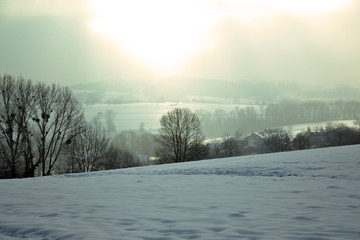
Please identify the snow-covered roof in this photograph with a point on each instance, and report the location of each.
(255, 134)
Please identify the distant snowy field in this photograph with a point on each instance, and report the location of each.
(129, 116)
(304, 195)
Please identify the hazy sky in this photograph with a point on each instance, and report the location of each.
(65, 41)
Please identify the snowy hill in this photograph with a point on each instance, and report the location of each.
(312, 194)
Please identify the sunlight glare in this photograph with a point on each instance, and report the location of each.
(311, 6)
(251, 10)
(165, 35)
(162, 34)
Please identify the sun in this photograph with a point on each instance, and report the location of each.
(165, 35)
(161, 34)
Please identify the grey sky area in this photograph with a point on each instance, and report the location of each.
(52, 41)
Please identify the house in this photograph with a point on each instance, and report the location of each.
(253, 144)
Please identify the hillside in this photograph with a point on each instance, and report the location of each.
(311, 194)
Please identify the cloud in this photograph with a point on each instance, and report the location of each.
(313, 51)
(275, 47)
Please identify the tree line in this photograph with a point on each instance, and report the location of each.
(43, 132)
(37, 121)
(251, 119)
(181, 139)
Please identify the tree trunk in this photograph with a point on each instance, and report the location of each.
(13, 170)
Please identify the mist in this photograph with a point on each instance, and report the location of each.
(235, 58)
(55, 44)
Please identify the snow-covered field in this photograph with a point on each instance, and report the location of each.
(305, 195)
(129, 116)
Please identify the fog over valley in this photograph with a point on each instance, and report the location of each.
(311, 43)
(181, 119)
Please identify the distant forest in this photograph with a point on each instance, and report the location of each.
(181, 89)
(249, 119)
(278, 103)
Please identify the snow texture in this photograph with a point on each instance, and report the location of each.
(302, 195)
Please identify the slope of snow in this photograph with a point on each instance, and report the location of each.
(305, 195)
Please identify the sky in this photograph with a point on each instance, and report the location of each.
(313, 42)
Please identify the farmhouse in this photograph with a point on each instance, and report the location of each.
(253, 144)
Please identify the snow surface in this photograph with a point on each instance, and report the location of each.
(129, 116)
(305, 195)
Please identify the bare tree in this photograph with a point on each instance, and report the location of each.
(88, 146)
(36, 123)
(138, 142)
(198, 151)
(340, 134)
(180, 129)
(277, 139)
(119, 158)
(55, 120)
(26, 103)
(230, 147)
(302, 140)
(336, 134)
(109, 121)
(17, 104)
(10, 136)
